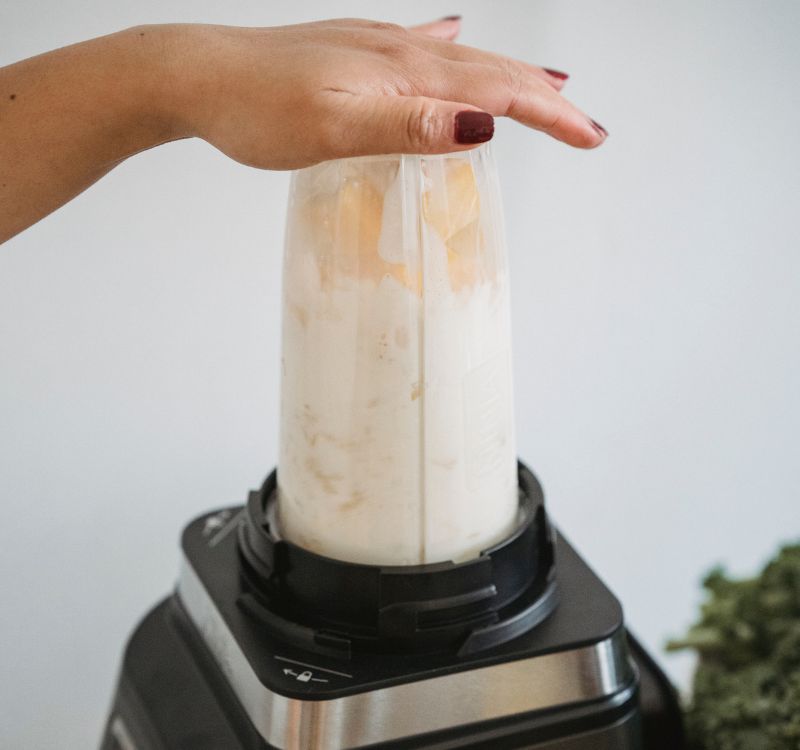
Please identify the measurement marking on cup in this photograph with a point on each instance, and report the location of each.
(313, 666)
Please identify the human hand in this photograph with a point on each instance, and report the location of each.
(290, 96)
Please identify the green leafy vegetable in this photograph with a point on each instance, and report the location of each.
(747, 684)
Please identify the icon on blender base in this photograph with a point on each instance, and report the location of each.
(215, 522)
(303, 676)
(312, 666)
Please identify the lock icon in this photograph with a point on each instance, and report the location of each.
(304, 676)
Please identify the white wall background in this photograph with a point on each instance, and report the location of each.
(657, 330)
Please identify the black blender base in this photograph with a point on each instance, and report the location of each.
(172, 696)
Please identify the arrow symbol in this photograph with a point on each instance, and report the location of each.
(290, 672)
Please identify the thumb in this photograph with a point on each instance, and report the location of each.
(390, 124)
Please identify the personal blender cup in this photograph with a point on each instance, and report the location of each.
(397, 440)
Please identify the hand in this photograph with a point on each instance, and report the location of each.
(287, 97)
(276, 98)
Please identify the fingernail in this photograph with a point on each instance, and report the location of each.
(473, 127)
(451, 18)
(556, 74)
(599, 128)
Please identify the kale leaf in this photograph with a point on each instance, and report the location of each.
(746, 693)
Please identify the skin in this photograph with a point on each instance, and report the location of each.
(273, 98)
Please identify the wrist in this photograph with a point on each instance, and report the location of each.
(161, 80)
(184, 79)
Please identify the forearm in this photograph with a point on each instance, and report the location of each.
(67, 117)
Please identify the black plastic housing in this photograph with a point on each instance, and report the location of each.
(332, 606)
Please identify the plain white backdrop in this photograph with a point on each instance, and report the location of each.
(656, 319)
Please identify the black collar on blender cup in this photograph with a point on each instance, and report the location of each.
(333, 606)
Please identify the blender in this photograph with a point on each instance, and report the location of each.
(396, 582)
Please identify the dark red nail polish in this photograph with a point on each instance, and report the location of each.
(473, 127)
(599, 128)
(556, 74)
(451, 18)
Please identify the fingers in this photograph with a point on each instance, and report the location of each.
(445, 29)
(439, 78)
(462, 53)
(379, 124)
(513, 93)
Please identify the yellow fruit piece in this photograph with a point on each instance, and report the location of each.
(358, 228)
(467, 258)
(451, 206)
(451, 202)
(347, 228)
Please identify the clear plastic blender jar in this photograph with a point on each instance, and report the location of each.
(396, 437)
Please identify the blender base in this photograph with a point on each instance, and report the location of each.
(565, 685)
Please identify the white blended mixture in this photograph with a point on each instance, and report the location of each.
(397, 441)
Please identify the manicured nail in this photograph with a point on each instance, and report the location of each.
(556, 74)
(599, 128)
(473, 127)
(451, 18)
